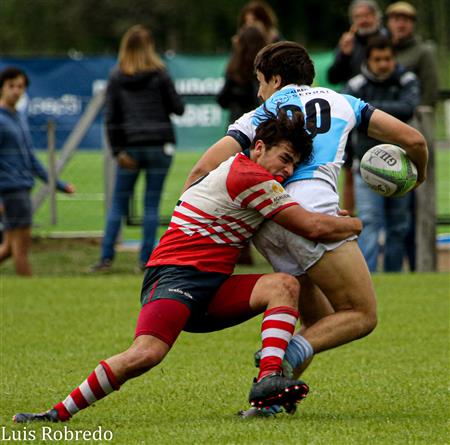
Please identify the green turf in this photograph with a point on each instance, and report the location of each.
(389, 388)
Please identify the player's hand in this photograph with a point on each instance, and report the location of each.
(343, 212)
(421, 177)
(126, 161)
(69, 188)
(347, 42)
(358, 225)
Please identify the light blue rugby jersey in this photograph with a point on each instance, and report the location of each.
(331, 115)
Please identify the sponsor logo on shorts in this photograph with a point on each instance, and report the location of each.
(182, 292)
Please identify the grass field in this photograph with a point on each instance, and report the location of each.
(389, 388)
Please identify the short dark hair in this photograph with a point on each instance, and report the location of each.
(288, 126)
(289, 60)
(379, 42)
(11, 72)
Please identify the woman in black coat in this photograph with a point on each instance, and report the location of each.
(139, 100)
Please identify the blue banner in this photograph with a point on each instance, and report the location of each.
(61, 88)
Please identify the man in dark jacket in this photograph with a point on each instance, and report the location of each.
(18, 166)
(140, 97)
(390, 88)
(365, 19)
(412, 52)
(419, 57)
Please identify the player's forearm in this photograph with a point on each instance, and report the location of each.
(317, 226)
(329, 228)
(216, 154)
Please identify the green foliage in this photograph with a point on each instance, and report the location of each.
(389, 388)
(44, 27)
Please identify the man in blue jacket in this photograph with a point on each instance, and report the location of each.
(18, 166)
(389, 87)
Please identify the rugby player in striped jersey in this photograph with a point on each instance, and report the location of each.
(188, 284)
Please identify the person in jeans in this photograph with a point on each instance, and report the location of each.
(139, 100)
(388, 87)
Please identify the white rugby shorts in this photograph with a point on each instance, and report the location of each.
(291, 253)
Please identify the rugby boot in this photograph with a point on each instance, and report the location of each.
(49, 416)
(276, 389)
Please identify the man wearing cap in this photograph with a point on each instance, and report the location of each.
(414, 54)
(420, 58)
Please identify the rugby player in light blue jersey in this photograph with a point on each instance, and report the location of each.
(337, 302)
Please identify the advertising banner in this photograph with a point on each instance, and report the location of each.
(62, 87)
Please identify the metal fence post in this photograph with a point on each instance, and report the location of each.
(426, 200)
(109, 173)
(70, 145)
(51, 146)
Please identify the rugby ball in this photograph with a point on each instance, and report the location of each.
(388, 171)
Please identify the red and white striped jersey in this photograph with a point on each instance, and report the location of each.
(216, 216)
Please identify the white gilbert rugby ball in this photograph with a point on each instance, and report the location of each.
(388, 171)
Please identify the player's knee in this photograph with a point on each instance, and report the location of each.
(368, 322)
(286, 288)
(371, 321)
(144, 358)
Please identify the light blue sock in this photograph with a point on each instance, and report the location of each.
(298, 351)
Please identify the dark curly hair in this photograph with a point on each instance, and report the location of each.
(285, 126)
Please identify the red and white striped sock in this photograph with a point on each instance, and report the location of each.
(98, 385)
(277, 328)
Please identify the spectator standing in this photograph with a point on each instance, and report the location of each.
(390, 88)
(140, 97)
(240, 91)
(365, 19)
(419, 57)
(412, 52)
(18, 167)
